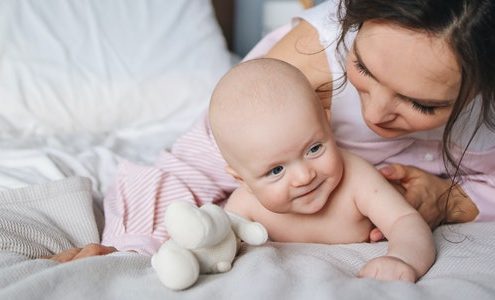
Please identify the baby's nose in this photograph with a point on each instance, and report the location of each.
(303, 175)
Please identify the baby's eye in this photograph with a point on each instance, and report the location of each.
(275, 171)
(315, 149)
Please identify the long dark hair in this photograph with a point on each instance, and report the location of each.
(468, 26)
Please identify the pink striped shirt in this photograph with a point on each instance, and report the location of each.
(192, 171)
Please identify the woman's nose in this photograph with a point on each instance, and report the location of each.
(379, 107)
(303, 175)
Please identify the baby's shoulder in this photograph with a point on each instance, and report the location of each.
(241, 202)
(359, 173)
(354, 163)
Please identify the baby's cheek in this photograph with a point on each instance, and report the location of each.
(333, 167)
(276, 200)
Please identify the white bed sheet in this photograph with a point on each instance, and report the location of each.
(41, 159)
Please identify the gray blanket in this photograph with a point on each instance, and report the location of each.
(465, 266)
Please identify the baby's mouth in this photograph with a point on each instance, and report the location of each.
(309, 191)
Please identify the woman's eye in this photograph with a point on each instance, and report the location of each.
(361, 69)
(315, 149)
(427, 110)
(275, 171)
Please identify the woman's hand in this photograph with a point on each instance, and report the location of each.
(77, 253)
(429, 194)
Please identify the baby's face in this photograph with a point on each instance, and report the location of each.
(291, 163)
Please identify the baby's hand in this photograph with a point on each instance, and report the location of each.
(388, 268)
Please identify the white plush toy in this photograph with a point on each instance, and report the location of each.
(202, 240)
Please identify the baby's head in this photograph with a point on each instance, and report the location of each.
(274, 134)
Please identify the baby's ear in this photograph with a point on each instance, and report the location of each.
(237, 177)
(234, 174)
(328, 113)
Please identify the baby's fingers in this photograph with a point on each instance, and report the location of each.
(388, 269)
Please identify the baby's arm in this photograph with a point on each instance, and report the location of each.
(410, 252)
(411, 249)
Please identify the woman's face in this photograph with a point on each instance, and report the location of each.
(407, 80)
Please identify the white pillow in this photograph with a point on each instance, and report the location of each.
(101, 65)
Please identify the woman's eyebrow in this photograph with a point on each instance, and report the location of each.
(424, 102)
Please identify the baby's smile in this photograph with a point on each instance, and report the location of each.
(313, 199)
(309, 191)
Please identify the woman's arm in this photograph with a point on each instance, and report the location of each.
(301, 47)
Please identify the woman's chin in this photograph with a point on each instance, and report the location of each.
(386, 133)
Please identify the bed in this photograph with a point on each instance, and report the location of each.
(84, 84)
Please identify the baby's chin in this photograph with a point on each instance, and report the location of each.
(298, 207)
(309, 207)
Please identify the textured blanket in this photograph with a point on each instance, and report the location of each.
(465, 266)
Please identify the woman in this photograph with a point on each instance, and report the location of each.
(420, 70)
(420, 91)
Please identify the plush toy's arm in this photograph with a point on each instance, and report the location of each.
(252, 233)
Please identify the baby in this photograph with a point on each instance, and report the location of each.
(275, 137)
